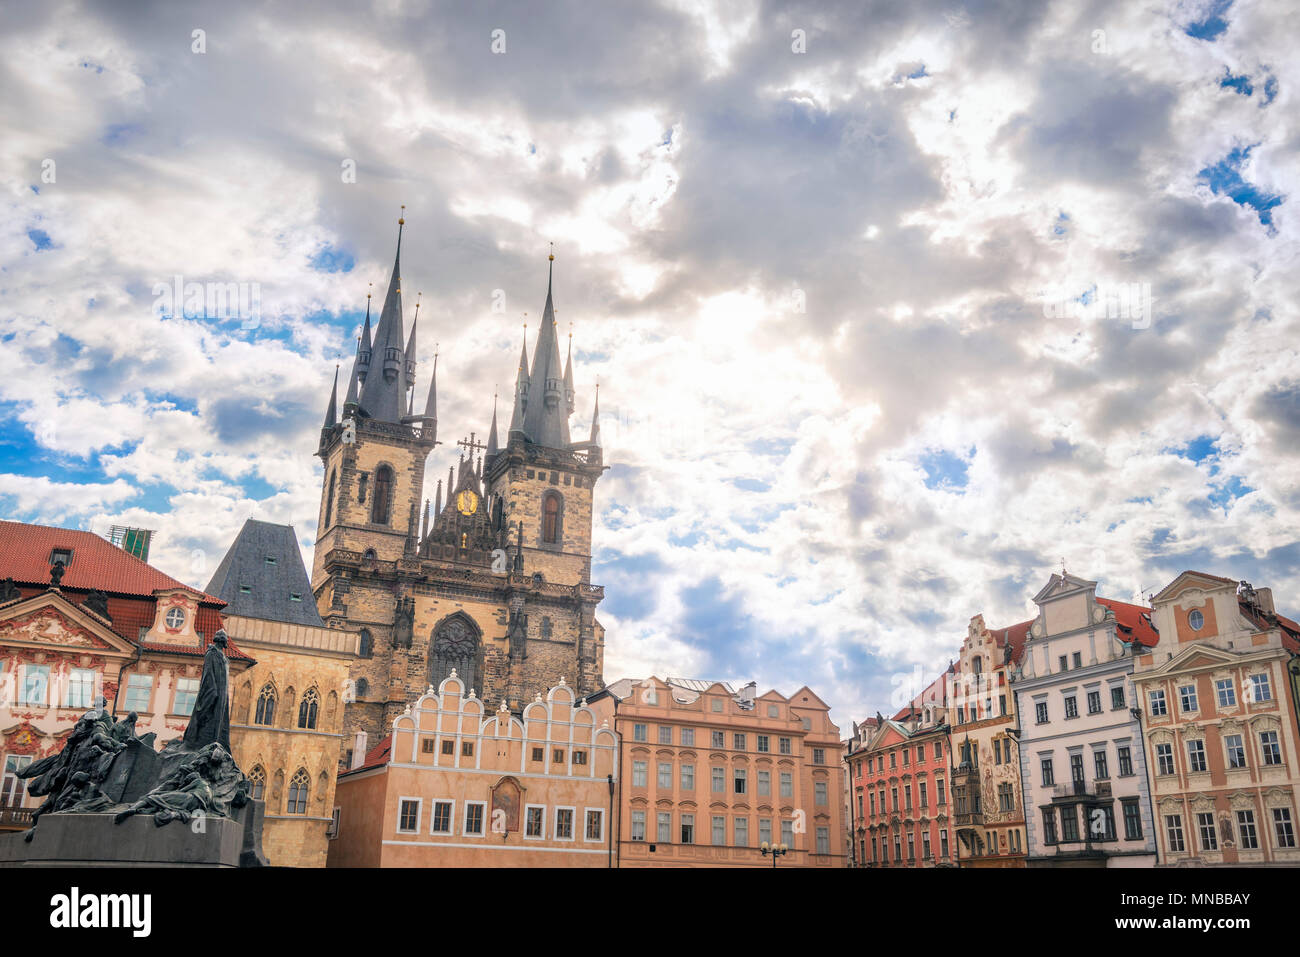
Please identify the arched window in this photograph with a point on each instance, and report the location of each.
(265, 706)
(369, 555)
(379, 501)
(307, 710)
(456, 645)
(298, 787)
(367, 644)
(257, 780)
(329, 501)
(363, 687)
(552, 512)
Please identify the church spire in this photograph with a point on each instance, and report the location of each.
(431, 403)
(364, 348)
(410, 357)
(546, 422)
(493, 446)
(385, 386)
(521, 389)
(568, 374)
(595, 420)
(332, 412)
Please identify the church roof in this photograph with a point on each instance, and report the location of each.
(546, 420)
(382, 397)
(261, 572)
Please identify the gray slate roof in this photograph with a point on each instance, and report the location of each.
(270, 583)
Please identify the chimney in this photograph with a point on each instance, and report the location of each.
(359, 750)
(1265, 598)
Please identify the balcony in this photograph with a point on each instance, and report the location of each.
(1074, 791)
(968, 818)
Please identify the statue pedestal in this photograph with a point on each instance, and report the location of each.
(80, 839)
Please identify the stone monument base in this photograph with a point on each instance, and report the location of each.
(91, 839)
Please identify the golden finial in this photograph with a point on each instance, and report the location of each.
(401, 220)
(551, 257)
(417, 303)
(369, 287)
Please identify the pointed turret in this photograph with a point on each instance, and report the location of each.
(595, 420)
(332, 412)
(568, 377)
(410, 353)
(384, 389)
(364, 347)
(546, 422)
(493, 446)
(431, 403)
(426, 520)
(437, 500)
(521, 391)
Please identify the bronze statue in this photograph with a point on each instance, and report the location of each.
(210, 720)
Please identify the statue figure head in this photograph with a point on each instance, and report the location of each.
(219, 639)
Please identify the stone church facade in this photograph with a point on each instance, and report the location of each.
(493, 580)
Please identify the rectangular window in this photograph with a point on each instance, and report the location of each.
(1282, 827)
(718, 739)
(819, 755)
(1040, 712)
(474, 818)
(943, 844)
(688, 737)
(1125, 760)
(187, 689)
(1174, 833)
(688, 828)
(564, 823)
(783, 745)
(1071, 706)
(12, 787)
(1164, 759)
(907, 754)
(639, 732)
(595, 827)
(441, 817)
(719, 831)
(1117, 697)
(1069, 824)
(764, 783)
(1049, 825)
(1078, 659)
(1209, 836)
(1246, 828)
(408, 817)
(81, 688)
(925, 844)
(1049, 778)
(764, 830)
(449, 747)
(664, 824)
(763, 743)
(579, 757)
(938, 750)
(739, 741)
(739, 780)
(787, 784)
(1227, 693)
(1064, 662)
(638, 825)
(139, 693)
(907, 797)
(1260, 690)
(539, 754)
(665, 774)
(35, 686)
(1132, 819)
(1269, 748)
(1236, 749)
(1100, 770)
(688, 777)
(467, 751)
(823, 840)
(1187, 698)
(938, 787)
(1006, 798)
(819, 793)
(1076, 769)
(925, 801)
(787, 832)
(873, 804)
(639, 774)
(1195, 756)
(1158, 703)
(665, 734)
(1094, 702)
(741, 828)
(719, 776)
(534, 821)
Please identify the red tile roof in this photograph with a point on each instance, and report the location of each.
(375, 757)
(1134, 622)
(1015, 635)
(96, 562)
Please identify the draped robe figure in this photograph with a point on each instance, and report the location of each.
(210, 720)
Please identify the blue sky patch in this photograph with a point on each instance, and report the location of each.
(1224, 179)
(945, 470)
(1213, 24)
(41, 238)
(1228, 492)
(329, 259)
(1239, 83)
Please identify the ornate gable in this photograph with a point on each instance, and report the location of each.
(50, 621)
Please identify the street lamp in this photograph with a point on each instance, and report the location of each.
(776, 850)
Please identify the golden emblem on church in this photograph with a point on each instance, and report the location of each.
(466, 502)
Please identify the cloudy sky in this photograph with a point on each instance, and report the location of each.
(894, 307)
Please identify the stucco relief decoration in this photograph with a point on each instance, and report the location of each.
(166, 605)
(23, 740)
(46, 626)
(507, 797)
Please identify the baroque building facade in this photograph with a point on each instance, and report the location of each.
(493, 579)
(1220, 724)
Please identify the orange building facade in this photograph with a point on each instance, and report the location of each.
(1219, 719)
(708, 775)
(458, 784)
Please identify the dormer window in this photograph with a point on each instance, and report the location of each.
(175, 618)
(61, 556)
(270, 559)
(294, 596)
(246, 589)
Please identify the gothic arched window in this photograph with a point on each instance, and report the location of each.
(329, 501)
(257, 781)
(552, 514)
(298, 787)
(363, 687)
(367, 644)
(265, 706)
(307, 710)
(379, 500)
(455, 645)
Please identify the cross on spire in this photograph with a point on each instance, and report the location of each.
(471, 445)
